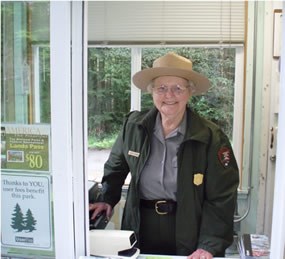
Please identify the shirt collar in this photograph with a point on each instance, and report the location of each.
(181, 129)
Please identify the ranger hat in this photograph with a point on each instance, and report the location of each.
(171, 65)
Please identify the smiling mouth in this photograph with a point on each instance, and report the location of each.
(169, 103)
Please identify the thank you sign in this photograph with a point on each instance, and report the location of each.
(26, 210)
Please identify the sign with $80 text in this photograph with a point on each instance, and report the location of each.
(25, 147)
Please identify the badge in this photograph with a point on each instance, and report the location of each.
(224, 155)
(133, 153)
(198, 179)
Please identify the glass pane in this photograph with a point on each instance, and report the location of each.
(41, 97)
(109, 73)
(109, 89)
(26, 179)
(109, 93)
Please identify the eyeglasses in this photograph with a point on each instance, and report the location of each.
(175, 89)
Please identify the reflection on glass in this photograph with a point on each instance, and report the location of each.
(27, 220)
(109, 86)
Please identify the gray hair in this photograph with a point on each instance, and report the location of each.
(192, 86)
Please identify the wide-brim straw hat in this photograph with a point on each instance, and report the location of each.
(171, 65)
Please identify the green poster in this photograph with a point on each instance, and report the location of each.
(25, 147)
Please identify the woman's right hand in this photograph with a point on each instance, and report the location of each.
(100, 207)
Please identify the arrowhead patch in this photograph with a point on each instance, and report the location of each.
(224, 155)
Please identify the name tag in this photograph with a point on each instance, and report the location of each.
(133, 153)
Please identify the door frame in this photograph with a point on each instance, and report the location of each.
(68, 127)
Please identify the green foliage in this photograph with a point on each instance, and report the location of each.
(109, 76)
(105, 142)
(44, 75)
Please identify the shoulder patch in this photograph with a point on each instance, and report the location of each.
(224, 155)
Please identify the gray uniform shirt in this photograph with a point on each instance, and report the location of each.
(158, 179)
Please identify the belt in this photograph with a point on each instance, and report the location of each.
(162, 207)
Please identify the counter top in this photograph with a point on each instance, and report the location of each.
(147, 256)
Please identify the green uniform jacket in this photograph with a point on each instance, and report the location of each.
(207, 181)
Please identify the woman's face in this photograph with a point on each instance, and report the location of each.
(170, 95)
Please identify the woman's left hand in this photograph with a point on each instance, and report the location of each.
(200, 254)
